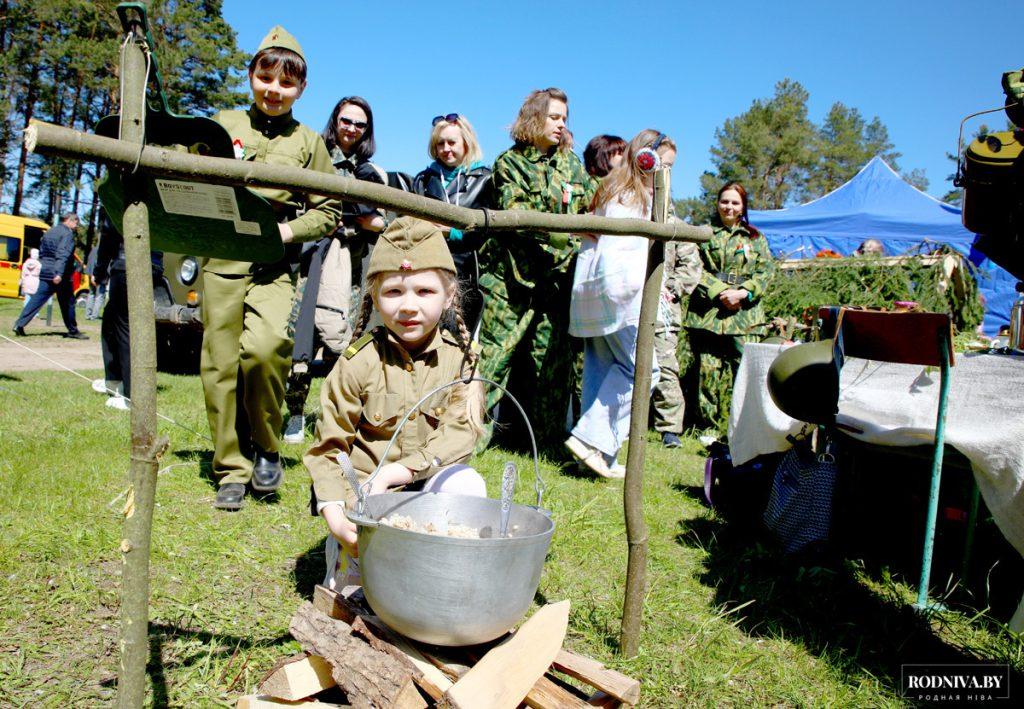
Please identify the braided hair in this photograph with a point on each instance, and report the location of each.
(470, 395)
(366, 307)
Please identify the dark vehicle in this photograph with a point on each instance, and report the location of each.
(176, 303)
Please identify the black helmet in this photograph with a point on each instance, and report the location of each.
(804, 381)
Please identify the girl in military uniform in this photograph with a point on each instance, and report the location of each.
(725, 309)
(246, 348)
(411, 282)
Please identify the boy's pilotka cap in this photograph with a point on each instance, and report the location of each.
(281, 38)
(410, 244)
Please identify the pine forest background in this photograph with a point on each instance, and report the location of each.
(59, 63)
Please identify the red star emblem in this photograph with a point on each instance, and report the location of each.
(406, 265)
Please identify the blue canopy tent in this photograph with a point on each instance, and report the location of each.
(879, 204)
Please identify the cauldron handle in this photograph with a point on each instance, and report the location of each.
(538, 485)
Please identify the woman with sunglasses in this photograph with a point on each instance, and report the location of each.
(459, 176)
(334, 264)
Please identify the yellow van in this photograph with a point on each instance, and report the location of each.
(18, 235)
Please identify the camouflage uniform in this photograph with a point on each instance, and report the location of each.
(731, 259)
(526, 278)
(682, 273)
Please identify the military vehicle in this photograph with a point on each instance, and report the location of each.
(177, 299)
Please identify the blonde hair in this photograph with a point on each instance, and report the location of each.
(626, 182)
(465, 399)
(533, 114)
(473, 151)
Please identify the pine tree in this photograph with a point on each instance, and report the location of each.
(768, 148)
(61, 63)
(781, 157)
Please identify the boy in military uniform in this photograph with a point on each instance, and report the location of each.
(526, 277)
(246, 348)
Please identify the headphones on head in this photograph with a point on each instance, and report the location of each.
(647, 159)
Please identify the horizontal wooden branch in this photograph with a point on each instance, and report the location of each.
(68, 143)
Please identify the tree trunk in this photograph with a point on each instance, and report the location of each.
(30, 107)
(633, 493)
(76, 104)
(145, 448)
(4, 13)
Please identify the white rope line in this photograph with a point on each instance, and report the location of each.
(110, 391)
(159, 473)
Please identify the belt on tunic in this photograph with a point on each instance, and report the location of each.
(733, 279)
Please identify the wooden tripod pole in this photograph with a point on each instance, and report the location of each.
(633, 494)
(145, 449)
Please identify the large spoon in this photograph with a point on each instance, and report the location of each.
(508, 487)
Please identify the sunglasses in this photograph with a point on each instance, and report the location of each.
(450, 118)
(361, 125)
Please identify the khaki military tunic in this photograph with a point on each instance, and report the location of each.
(364, 398)
(281, 141)
(246, 347)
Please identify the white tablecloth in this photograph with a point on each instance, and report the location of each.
(896, 405)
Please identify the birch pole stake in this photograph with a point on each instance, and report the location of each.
(145, 449)
(633, 493)
(155, 161)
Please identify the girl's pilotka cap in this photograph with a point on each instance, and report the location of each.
(410, 244)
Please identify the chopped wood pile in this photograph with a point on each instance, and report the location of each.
(352, 659)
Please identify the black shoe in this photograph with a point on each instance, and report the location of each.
(230, 496)
(19, 331)
(267, 473)
(76, 335)
(670, 440)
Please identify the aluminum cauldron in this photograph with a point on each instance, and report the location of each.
(450, 591)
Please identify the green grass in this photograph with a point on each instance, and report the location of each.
(728, 621)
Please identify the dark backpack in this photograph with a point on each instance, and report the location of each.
(738, 490)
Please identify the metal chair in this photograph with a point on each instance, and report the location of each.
(904, 337)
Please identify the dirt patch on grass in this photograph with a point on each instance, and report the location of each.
(44, 346)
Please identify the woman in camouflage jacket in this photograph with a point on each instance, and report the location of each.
(725, 309)
(526, 276)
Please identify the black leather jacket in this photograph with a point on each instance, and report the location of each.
(471, 188)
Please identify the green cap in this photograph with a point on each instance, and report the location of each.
(410, 244)
(281, 38)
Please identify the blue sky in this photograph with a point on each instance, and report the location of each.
(681, 67)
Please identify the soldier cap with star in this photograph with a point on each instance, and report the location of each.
(281, 38)
(410, 244)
